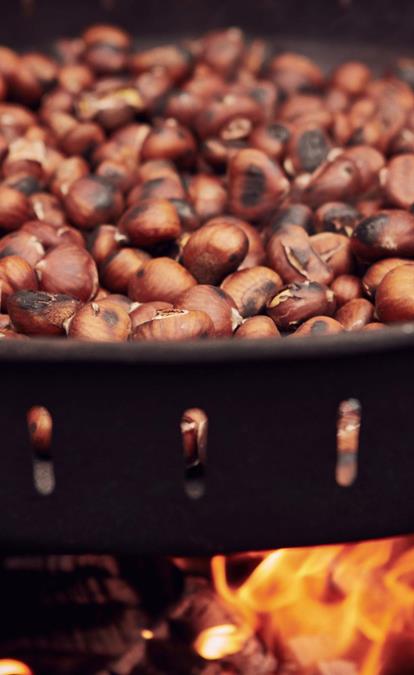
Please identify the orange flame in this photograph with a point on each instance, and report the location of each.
(337, 604)
(12, 667)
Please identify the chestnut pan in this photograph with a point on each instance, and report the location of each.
(272, 406)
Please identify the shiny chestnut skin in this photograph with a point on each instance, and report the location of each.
(335, 250)
(336, 217)
(376, 273)
(298, 302)
(291, 255)
(146, 311)
(150, 222)
(214, 251)
(334, 180)
(160, 279)
(207, 195)
(104, 241)
(257, 327)
(293, 214)
(117, 269)
(256, 184)
(216, 303)
(97, 322)
(15, 208)
(22, 244)
(15, 274)
(318, 325)
(388, 234)
(40, 313)
(394, 299)
(355, 314)
(397, 181)
(91, 201)
(175, 325)
(346, 287)
(252, 288)
(68, 269)
(170, 140)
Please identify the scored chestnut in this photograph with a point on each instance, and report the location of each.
(216, 303)
(175, 324)
(98, 322)
(252, 288)
(298, 302)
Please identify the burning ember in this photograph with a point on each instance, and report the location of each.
(329, 610)
(12, 667)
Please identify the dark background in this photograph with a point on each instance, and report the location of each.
(382, 22)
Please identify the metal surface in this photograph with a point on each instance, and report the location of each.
(272, 406)
(271, 452)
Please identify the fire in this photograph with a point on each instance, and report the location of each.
(338, 604)
(12, 667)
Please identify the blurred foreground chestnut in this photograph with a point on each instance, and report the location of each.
(175, 325)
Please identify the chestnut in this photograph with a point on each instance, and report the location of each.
(82, 138)
(99, 323)
(15, 274)
(40, 425)
(189, 220)
(194, 427)
(308, 147)
(68, 171)
(15, 208)
(150, 222)
(346, 287)
(117, 269)
(75, 78)
(50, 235)
(374, 325)
(291, 255)
(256, 184)
(216, 303)
(174, 59)
(256, 254)
(397, 181)
(208, 196)
(335, 250)
(175, 324)
(271, 138)
(91, 201)
(318, 325)
(146, 311)
(40, 313)
(22, 244)
(214, 251)
(160, 279)
(170, 140)
(295, 73)
(257, 327)
(355, 314)
(68, 269)
(337, 217)
(369, 162)
(47, 207)
(394, 299)
(223, 50)
(104, 241)
(352, 77)
(376, 272)
(335, 180)
(296, 303)
(390, 233)
(252, 288)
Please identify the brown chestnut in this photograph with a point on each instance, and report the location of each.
(397, 181)
(68, 269)
(256, 184)
(257, 327)
(354, 314)
(40, 425)
(298, 302)
(291, 255)
(214, 251)
(40, 313)
(208, 196)
(117, 269)
(175, 324)
(388, 234)
(216, 303)
(335, 250)
(252, 288)
(375, 274)
(99, 323)
(104, 241)
(91, 201)
(150, 222)
(47, 207)
(318, 325)
(146, 311)
(15, 274)
(160, 279)
(335, 180)
(394, 299)
(346, 287)
(22, 244)
(15, 208)
(170, 140)
(336, 217)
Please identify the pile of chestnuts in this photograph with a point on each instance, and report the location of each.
(203, 189)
